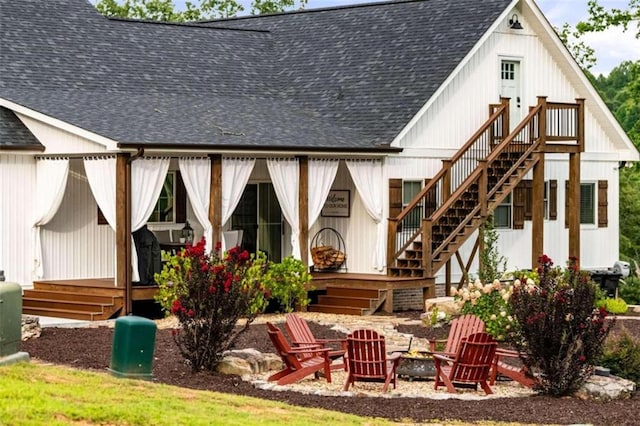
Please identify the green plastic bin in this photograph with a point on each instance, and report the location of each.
(11, 324)
(133, 345)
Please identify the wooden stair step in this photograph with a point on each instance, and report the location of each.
(65, 296)
(65, 313)
(358, 302)
(354, 292)
(345, 310)
(30, 302)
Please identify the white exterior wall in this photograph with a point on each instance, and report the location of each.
(463, 106)
(74, 245)
(17, 184)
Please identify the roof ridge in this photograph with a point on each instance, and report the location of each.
(322, 9)
(193, 24)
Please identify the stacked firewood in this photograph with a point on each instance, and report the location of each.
(327, 257)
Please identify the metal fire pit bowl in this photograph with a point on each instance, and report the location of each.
(416, 367)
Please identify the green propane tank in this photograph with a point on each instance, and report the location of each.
(11, 323)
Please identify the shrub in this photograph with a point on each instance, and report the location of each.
(559, 330)
(489, 302)
(492, 264)
(629, 290)
(612, 305)
(622, 356)
(208, 294)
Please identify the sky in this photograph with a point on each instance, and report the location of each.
(612, 46)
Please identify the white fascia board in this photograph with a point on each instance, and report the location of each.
(454, 73)
(109, 144)
(628, 154)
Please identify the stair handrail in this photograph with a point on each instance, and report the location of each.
(499, 114)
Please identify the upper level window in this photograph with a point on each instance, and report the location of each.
(588, 203)
(165, 208)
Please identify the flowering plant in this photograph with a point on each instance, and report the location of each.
(559, 329)
(489, 302)
(208, 293)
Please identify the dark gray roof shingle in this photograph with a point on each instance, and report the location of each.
(13, 134)
(332, 78)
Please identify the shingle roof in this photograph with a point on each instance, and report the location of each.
(348, 77)
(13, 134)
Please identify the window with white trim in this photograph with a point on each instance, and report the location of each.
(502, 214)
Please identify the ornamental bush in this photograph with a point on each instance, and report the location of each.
(489, 302)
(622, 355)
(559, 330)
(209, 293)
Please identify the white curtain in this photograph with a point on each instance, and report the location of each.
(285, 175)
(235, 175)
(51, 181)
(196, 174)
(101, 174)
(147, 178)
(322, 173)
(367, 176)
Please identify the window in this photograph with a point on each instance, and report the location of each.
(508, 70)
(164, 210)
(587, 203)
(502, 214)
(411, 188)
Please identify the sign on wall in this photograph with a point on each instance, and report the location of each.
(337, 204)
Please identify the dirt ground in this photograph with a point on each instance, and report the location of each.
(90, 348)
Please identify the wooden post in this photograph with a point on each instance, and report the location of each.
(392, 228)
(446, 180)
(574, 205)
(447, 273)
(427, 226)
(505, 119)
(123, 229)
(537, 214)
(483, 183)
(580, 124)
(215, 199)
(303, 205)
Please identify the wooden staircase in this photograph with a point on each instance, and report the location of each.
(349, 301)
(71, 301)
(470, 185)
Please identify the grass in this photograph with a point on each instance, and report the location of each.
(37, 394)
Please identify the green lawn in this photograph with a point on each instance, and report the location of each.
(38, 394)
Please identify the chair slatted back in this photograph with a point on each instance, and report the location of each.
(282, 346)
(474, 358)
(298, 329)
(462, 327)
(367, 354)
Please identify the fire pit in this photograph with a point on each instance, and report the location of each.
(416, 364)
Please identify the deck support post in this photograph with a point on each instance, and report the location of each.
(574, 205)
(303, 208)
(537, 213)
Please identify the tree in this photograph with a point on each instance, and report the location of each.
(599, 19)
(165, 10)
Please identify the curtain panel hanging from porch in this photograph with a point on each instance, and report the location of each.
(235, 175)
(322, 173)
(196, 174)
(147, 178)
(367, 177)
(51, 181)
(285, 175)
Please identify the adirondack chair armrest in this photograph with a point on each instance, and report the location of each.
(394, 357)
(440, 356)
(501, 352)
(324, 352)
(433, 344)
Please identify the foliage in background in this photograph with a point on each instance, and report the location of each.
(559, 330)
(489, 302)
(629, 289)
(209, 294)
(165, 10)
(622, 356)
(492, 264)
(614, 306)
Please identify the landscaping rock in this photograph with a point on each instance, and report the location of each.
(444, 304)
(606, 388)
(248, 361)
(30, 327)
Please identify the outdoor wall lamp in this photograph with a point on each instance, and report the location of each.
(514, 24)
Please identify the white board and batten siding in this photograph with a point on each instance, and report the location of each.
(17, 184)
(462, 106)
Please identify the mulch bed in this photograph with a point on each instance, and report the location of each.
(90, 348)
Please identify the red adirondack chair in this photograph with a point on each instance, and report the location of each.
(471, 365)
(515, 371)
(301, 335)
(367, 359)
(461, 327)
(298, 362)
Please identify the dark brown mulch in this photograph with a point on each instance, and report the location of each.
(90, 348)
